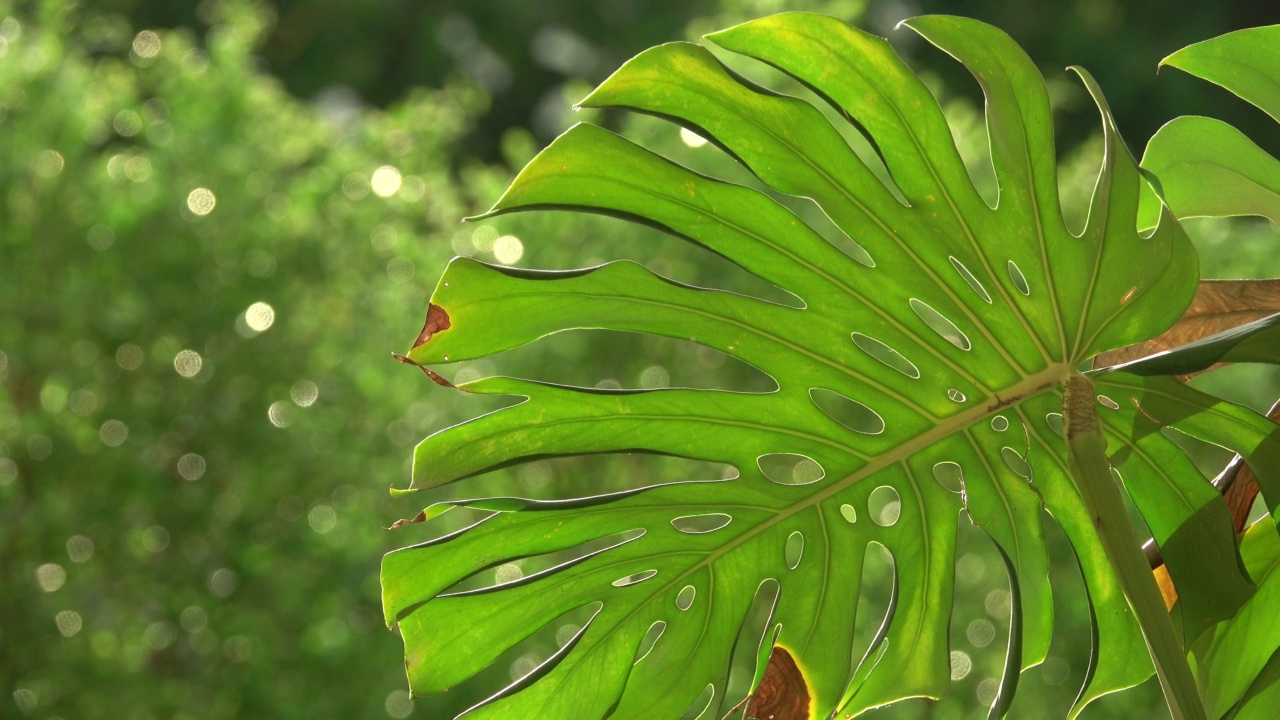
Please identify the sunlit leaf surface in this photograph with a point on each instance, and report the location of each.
(1205, 167)
(927, 358)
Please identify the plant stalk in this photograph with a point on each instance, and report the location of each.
(1087, 458)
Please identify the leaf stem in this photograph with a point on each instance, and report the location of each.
(1087, 456)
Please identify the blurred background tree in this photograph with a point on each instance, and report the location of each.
(217, 218)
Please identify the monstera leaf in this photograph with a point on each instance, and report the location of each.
(1207, 168)
(919, 385)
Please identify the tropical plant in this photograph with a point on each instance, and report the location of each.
(927, 368)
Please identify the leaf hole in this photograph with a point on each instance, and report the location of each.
(634, 578)
(849, 513)
(1015, 462)
(876, 604)
(1019, 280)
(649, 640)
(949, 475)
(790, 468)
(699, 524)
(527, 569)
(886, 355)
(794, 549)
(955, 395)
(684, 600)
(1105, 401)
(938, 323)
(849, 413)
(532, 658)
(1054, 421)
(755, 631)
(969, 278)
(884, 506)
(700, 703)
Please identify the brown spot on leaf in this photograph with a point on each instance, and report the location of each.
(783, 693)
(437, 321)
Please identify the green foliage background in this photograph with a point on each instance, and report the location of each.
(202, 541)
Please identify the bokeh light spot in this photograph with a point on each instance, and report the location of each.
(129, 357)
(69, 622)
(127, 123)
(201, 201)
(998, 603)
(49, 163)
(155, 539)
(655, 377)
(223, 582)
(188, 363)
(691, 138)
(259, 317)
(193, 619)
(322, 518)
(980, 632)
(399, 704)
(113, 433)
(960, 665)
(79, 548)
(51, 577)
(304, 393)
(508, 249)
(191, 467)
(146, 44)
(385, 181)
(100, 237)
(280, 414)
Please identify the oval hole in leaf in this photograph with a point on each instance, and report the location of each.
(949, 475)
(629, 355)
(884, 506)
(938, 323)
(531, 659)
(969, 278)
(700, 703)
(1054, 421)
(1108, 402)
(794, 549)
(684, 600)
(886, 355)
(849, 513)
(1019, 280)
(849, 413)
(575, 478)
(1015, 462)
(955, 395)
(527, 569)
(698, 524)
(649, 640)
(634, 578)
(876, 603)
(790, 468)
(999, 423)
(750, 642)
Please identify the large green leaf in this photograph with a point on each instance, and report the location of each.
(1205, 167)
(1235, 662)
(928, 360)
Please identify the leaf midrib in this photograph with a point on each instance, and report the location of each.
(1031, 386)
